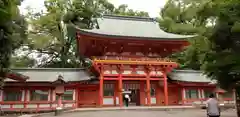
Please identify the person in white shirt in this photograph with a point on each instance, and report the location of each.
(126, 99)
(212, 106)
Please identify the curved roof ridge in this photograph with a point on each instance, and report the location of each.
(14, 69)
(134, 18)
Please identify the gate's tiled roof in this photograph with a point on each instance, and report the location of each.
(51, 74)
(128, 26)
(74, 75)
(189, 76)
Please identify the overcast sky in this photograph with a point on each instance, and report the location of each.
(150, 6)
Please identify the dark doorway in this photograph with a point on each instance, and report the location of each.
(135, 97)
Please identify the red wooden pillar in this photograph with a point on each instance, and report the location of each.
(115, 93)
(76, 97)
(148, 89)
(158, 94)
(183, 95)
(101, 89)
(142, 93)
(120, 87)
(25, 98)
(165, 88)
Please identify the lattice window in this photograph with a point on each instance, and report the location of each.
(192, 94)
(108, 89)
(39, 95)
(12, 95)
(131, 86)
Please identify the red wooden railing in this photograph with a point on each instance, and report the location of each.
(132, 59)
(36, 105)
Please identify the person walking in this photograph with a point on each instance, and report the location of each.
(126, 99)
(212, 106)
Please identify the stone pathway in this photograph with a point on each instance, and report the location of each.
(141, 113)
(135, 108)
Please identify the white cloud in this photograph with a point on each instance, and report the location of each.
(150, 6)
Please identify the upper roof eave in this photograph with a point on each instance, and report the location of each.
(99, 34)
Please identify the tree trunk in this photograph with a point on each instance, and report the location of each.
(237, 98)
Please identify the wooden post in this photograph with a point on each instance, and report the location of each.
(51, 98)
(148, 89)
(158, 95)
(199, 94)
(101, 86)
(120, 98)
(183, 95)
(115, 93)
(101, 90)
(76, 97)
(203, 95)
(25, 98)
(165, 89)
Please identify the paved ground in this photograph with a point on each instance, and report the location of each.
(143, 113)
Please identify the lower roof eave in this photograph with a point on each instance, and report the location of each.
(194, 82)
(17, 77)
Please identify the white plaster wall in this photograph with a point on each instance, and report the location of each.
(54, 105)
(117, 100)
(107, 72)
(31, 105)
(114, 72)
(68, 105)
(153, 100)
(140, 72)
(5, 106)
(44, 105)
(18, 106)
(108, 101)
(127, 72)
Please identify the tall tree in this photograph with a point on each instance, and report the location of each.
(125, 11)
(53, 32)
(222, 62)
(183, 17)
(12, 33)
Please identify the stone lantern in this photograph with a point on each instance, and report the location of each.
(59, 89)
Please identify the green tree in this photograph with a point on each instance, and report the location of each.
(125, 11)
(12, 33)
(187, 17)
(22, 62)
(222, 62)
(53, 33)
